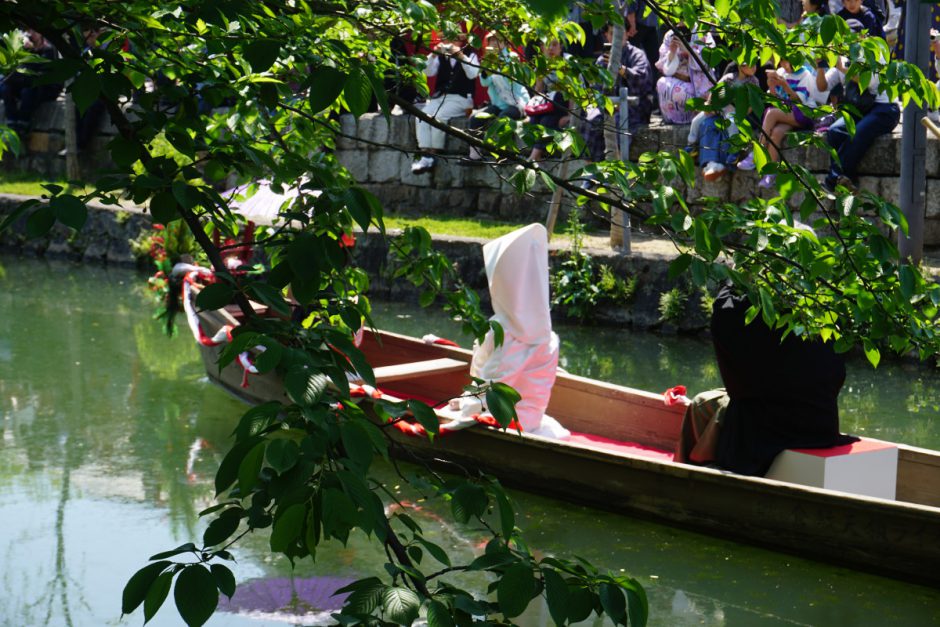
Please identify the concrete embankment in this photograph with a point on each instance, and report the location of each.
(109, 230)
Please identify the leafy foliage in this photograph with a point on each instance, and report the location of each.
(208, 93)
(578, 286)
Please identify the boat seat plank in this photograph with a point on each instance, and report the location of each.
(397, 372)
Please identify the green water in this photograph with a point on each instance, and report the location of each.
(109, 435)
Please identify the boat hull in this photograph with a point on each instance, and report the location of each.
(893, 538)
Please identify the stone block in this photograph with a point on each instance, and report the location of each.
(453, 144)
(401, 132)
(869, 184)
(931, 157)
(407, 178)
(44, 141)
(385, 166)
(349, 131)
(374, 128)
(356, 161)
(447, 174)
(49, 116)
(932, 232)
(883, 158)
(932, 201)
(816, 159)
(889, 189)
(489, 202)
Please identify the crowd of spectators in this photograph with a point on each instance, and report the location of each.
(663, 70)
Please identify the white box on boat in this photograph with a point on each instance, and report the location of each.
(866, 467)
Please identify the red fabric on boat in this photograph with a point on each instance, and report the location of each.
(861, 446)
(617, 446)
(587, 439)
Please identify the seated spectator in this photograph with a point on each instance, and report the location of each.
(21, 96)
(682, 77)
(815, 7)
(636, 74)
(880, 8)
(795, 87)
(874, 115)
(507, 97)
(456, 67)
(855, 10)
(782, 392)
(711, 134)
(548, 106)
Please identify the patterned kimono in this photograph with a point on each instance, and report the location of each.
(673, 92)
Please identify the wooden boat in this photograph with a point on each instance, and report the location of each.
(620, 458)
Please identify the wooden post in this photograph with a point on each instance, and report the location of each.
(554, 206)
(73, 171)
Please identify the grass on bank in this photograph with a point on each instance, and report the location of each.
(27, 184)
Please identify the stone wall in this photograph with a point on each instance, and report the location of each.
(379, 155)
(485, 192)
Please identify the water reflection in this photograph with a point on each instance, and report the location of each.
(109, 435)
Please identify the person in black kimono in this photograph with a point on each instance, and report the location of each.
(782, 394)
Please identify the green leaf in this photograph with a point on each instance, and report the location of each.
(257, 419)
(507, 516)
(282, 455)
(189, 547)
(137, 587)
(468, 500)
(302, 257)
(196, 595)
(401, 605)
(908, 281)
(222, 528)
(124, 152)
(637, 604)
(85, 90)
(548, 8)
(163, 207)
(556, 595)
(723, 8)
(22, 208)
(157, 595)
(501, 402)
(357, 443)
(360, 206)
(358, 92)
(613, 602)
(679, 265)
(425, 416)
(224, 579)
(262, 54)
(40, 222)
(580, 604)
(326, 84)
(268, 359)
(365, 595)
(69, 210)
(215, 296)
(303, 386)
(515, 589)
(436, 552)
(249, 468)
(228, 469)
(439, 615)
(287, 528)
(827, 29)
(871, 353)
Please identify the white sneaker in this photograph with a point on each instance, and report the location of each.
(422, 165)
(713, 171)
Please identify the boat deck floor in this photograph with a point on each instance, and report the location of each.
(583, 439)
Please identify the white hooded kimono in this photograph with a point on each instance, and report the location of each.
(527, 360)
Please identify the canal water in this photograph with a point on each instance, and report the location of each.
(110, 433)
